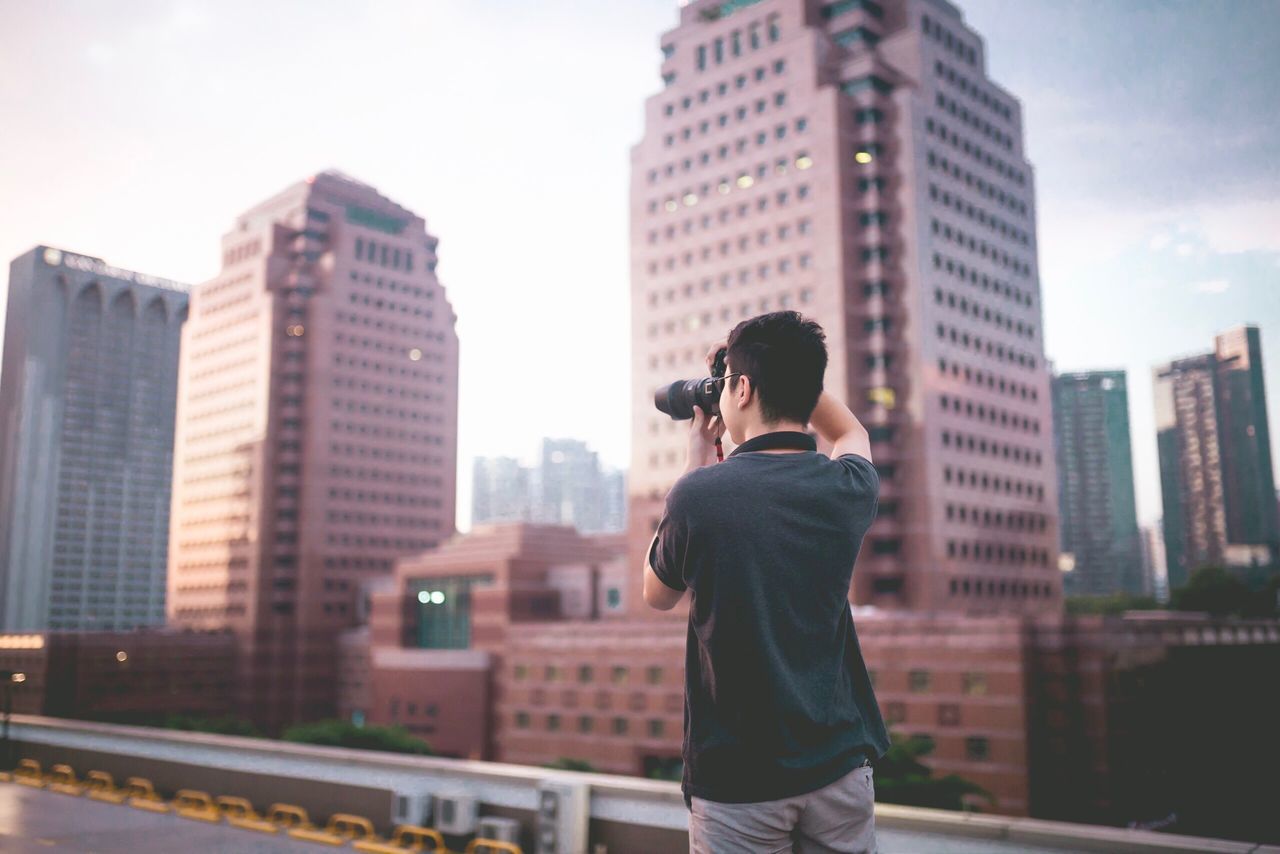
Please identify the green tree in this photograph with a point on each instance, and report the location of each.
(226, 725)
(1221, 593)
(901, 778)
(566, 764)
(335, 733)
(1116, 603)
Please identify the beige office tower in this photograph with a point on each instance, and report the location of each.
(852, 160)
(316, 432)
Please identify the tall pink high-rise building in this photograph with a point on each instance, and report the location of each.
(316, 432)
(853, 161)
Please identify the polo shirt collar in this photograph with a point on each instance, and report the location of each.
(783, 439)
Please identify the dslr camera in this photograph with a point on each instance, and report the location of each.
(679, 398)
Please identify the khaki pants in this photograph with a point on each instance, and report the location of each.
(836, 819)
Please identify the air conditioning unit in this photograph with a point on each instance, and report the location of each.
(499, 829)
(455, 813)
(410, 808)
(563, 815)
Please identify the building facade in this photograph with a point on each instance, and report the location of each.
(87, 402)
(1216, 474)
(1098, 527)
(317, 432)
(853, 160)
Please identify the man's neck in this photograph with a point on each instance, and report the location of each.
(755, 430)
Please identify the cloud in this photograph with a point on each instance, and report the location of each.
(1212, 286)
(1160, 241)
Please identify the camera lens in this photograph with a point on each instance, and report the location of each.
(679, 398)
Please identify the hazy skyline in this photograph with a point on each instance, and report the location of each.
(138, 131)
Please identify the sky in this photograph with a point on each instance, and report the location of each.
(136, 131)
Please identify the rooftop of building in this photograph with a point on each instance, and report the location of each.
(622, 813)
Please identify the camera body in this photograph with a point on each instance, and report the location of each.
(679, 398)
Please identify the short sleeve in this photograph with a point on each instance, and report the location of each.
(667, 554)
(865, 483)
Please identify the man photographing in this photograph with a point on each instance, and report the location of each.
(781, 723)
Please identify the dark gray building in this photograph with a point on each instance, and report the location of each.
(1098, 518)
(1216, 474)
(87, 397)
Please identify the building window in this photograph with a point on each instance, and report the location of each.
(552, 673)
(655, 728)
(949, 714)
(619, 675)
(619, 726)
(585, 723)
(655, 675)
(976, 749)
(975, 684)
(522, 720)
(895, 713)
(584, 673)
(553, 723)
(918, 681)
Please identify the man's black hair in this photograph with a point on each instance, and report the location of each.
(786, 358)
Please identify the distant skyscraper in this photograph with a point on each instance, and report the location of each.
(568, 487)
(854, 161)
(500, 491)
(317, 431)
(1099, 520)
(86, 443)
(1216, 475)
(1155, 573)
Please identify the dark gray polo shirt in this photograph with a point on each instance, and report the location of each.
(778, 702)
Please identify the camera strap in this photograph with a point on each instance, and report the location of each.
(783, 439)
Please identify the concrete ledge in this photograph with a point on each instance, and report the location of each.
(626, 805)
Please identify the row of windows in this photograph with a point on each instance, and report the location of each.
(692, 322)
(996, 553)
(357, 563)
(586, 724)
(981, 247)
(955, 108)
(207, 308)
(996, 224)
(409, 393)
(386, 542)
(990, 413)
(975, 343)
(755, 34)
(618, 674)
(977, 152)
(996, 449)
(740, 114)
(740, 145)
(389, 305)
(983, 313)
(973, 277)
(376, 519)
(385, 475)
(745, 180)
(987, 517)
(989, 380)
(393, 285)
(991, 587)
(973, 90)
(1008, 485)
(244, 251)
(393, 257)
(388, 454)
(381, 498)
(379, 366)
(784, 265)
(401, 329)
(953, 43)
(382, 412)
(722, 89)
(986, 188)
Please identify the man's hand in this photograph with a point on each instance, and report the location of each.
(715, 348)
(702, 439)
